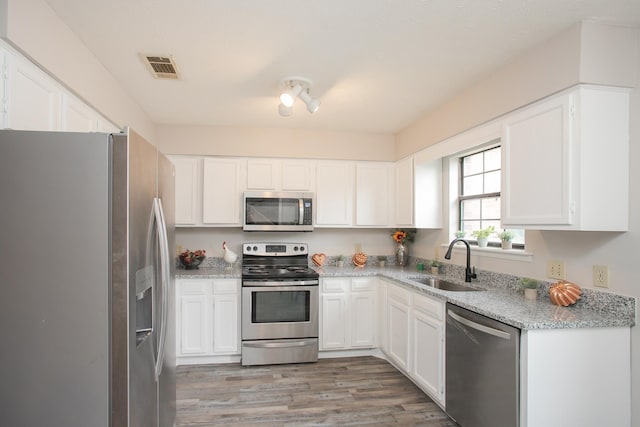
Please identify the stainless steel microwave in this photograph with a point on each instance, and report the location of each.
(278, 211)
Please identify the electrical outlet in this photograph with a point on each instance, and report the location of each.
(555, 269)
(601, 276)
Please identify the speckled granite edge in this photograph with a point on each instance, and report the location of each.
(502, 299)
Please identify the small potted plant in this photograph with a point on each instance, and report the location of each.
(435, 267)
(530, 287)
(506, 237)
(460, 234)
(482, 235)
(340, 261)
(382, 259)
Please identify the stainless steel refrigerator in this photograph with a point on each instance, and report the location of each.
(86, 281)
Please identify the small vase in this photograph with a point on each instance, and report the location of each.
(482, 242)
(531, 294)
(381, 263)
(435, 270)
(340, 264)
(402, 254)
(507, 244)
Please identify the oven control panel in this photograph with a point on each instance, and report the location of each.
(275, 249)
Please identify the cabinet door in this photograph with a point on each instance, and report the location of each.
(187, 189)
(334, 322)
(428, 354)
(404, 193)
(297, 175)
(536, 164)
(193, 320)
(77, 116)
(263, 174)
(225, 323)
(399, 324)
(334, 194)
(362, 310)
(222, 191)
(34, 99)
(373, 194)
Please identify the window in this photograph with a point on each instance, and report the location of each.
(479, 195)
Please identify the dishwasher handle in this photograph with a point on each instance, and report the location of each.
(492, 331)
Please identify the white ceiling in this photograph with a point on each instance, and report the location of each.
(377, 65)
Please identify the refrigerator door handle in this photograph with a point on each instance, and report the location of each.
(165, 277)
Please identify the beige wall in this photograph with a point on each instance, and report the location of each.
(585, 53)
(272, 142)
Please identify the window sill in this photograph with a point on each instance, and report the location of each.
(489, 252)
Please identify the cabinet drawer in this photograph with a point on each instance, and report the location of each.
(360, 284)
(225, 286)
(194, 286)
(429, 306)
(335, 285)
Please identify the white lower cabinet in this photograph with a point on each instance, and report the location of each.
(415, 338)
(349, 313)
(398, 306)
(208, 319)
(427, 345)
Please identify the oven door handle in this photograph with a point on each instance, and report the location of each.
(279, 344)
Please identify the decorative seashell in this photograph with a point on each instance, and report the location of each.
(318, 259)
(359, 259)
(564, 293)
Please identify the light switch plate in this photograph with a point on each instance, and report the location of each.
(555, 269)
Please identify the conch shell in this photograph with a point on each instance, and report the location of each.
(564, 293)
(359, 259)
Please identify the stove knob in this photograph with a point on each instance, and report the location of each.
(255, 248)
(295, 249)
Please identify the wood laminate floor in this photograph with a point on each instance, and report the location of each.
(360, 391)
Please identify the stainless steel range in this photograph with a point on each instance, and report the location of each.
(279, 304)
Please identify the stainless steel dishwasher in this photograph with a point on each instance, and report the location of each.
(482, 370)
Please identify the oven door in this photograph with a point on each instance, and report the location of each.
(282, 311)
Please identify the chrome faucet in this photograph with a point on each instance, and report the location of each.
(468, 273)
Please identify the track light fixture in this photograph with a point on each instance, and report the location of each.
(292, 88)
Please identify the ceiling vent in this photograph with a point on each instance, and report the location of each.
(162, 67)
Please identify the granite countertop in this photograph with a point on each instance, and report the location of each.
(595, 309)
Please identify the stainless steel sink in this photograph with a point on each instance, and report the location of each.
(444, 284)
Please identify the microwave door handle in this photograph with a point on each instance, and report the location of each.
(301, 208)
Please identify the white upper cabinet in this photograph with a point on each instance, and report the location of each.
(298, 175)
(404, 193)
(222, 187)
(263, 174)
(565, 162)
(374, 195)
(188, 188)
(334, 193)
(77, 116)
(32, 98)
(280, 175)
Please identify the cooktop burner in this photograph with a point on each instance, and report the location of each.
(276, 261)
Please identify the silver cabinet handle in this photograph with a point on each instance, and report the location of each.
(487, 330)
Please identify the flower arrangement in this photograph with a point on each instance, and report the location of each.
(403, 236)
